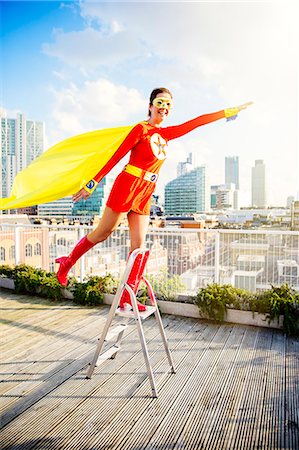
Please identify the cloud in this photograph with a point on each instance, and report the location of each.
(91, 48)
(93, 105)
(212, 54)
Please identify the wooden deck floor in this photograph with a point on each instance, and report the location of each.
(236, 387)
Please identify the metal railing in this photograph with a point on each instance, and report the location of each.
(181, 261)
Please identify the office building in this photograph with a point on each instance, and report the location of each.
(226, 196)
(186, 166)
(295, 216)
(258, 185)
(188, 194)
(59, 208)
(290, 200)
(21, 142)
(96, 203)
(232, 171)
(213, 191)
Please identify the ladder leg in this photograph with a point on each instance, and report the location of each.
(105, 331)
(120, 336)
(160, 324)
(143, 342)
(164, 339)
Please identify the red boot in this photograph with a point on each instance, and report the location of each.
(125, 298)
(133, 282)
(67, 262)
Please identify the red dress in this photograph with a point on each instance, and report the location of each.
(148, 145)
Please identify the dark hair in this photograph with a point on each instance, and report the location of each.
(154, 94)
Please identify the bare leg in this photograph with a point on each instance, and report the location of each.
(109, 222)
(138, 225)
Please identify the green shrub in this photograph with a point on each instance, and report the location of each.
(215, 299)
(6, 271)
(30, 280)
(91, 292)
(279, 300)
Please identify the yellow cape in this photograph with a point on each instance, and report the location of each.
(65, 168)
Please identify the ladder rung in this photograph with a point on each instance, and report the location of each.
(115, 332)
(129, 313)
(107, 354)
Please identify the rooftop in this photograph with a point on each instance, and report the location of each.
(236, 387)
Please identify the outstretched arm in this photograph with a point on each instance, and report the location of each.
(179, 130)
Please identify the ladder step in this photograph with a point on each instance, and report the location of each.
(127, 312)
(115, 332)
(107, 354)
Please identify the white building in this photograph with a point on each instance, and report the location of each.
(258, 184)
(21, 142)
(59, 208)
(288, 272)
(186, 166)
(227, 196)
(232, 170)
(295, 216)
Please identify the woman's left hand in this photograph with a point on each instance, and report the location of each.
(244, 106)
(82, 194)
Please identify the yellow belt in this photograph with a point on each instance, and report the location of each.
(140, 173)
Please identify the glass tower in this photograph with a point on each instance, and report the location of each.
(232, 170)
(188, 194)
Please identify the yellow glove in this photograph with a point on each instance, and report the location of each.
(231, 112)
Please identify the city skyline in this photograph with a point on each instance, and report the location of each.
(83, 66)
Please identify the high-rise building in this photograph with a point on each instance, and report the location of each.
(290, 200)
(95, 203)
(258, 185)
(188, 193)
(21, 142)
(214, 188)
(232, 171)
(295, 216)
(58, 208)
(186, 166)
(226, 196)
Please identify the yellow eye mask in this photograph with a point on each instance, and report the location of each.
(162, 102)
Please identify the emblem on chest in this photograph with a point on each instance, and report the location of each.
(158, 146)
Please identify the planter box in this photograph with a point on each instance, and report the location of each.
(7, 283)
(183, 309)
(232, 316)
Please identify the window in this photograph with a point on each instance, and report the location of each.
(12, 252)
(2, 254)
(28, 250)
(61, 241)
(37, 249)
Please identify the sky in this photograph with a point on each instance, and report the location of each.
(81, 66)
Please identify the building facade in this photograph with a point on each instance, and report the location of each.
(258, 185)
(95, 204)
(59, 208)
(21, 142)
(232, 171)
(188, 194)
(227, 197)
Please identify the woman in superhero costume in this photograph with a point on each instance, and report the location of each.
(133, 188)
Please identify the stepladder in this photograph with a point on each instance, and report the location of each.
(128, 288)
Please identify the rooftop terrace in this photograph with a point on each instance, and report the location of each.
(236, 387)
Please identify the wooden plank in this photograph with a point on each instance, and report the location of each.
(235, 387)
(75, 391)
